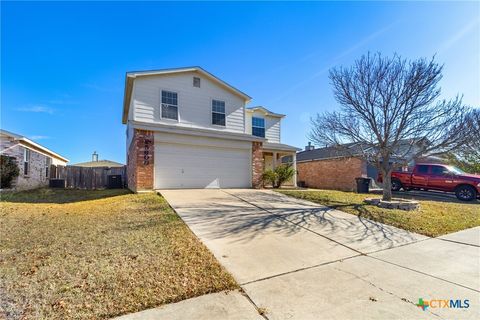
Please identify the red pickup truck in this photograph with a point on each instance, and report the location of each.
(438, 177)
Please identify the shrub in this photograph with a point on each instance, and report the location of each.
(270, 177)
(279, 175)
(9, 171)
(285, 172)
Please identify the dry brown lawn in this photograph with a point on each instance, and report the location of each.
(69, 254)
(433, 218)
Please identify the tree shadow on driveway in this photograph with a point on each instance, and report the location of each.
(257, 214)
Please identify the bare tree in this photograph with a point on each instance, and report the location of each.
(467, 157)
(472, 145)
(389, 110)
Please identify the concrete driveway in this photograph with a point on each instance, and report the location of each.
(298, 260)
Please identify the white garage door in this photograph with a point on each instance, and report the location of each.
(201, 166)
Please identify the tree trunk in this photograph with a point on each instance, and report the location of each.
(387, 184)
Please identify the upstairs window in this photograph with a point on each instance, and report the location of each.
(26, 161)
(258, 127)
(218, 112)
(169, 105)
(196, 82)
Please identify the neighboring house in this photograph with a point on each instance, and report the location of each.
(95, 163)
(187, 128)
(329, 168)
(336, 168)
(33, 160)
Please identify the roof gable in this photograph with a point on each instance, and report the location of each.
(31, 144)
(355, 149)
(131, 76)
(99, 163)
(265, 111)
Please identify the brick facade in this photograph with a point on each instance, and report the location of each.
(140, 161)
(36, 177)
(338, 174)
(257, 165)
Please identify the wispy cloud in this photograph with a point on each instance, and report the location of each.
(62, 99)
(39, 137)
(335, 60)
(37, 109)
(450, 42)
(97, 87)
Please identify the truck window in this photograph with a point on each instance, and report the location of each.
(439, 171)
(422, 169)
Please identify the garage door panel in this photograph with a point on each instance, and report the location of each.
(213, 153)
(186, 162)
(218, 159)
(200, 166)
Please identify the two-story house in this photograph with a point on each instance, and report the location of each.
(187, 128)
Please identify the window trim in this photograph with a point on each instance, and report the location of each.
(264, 127)
(26, 161)
(224, 112)
(199, 82)
(48, 163)
(167, 104)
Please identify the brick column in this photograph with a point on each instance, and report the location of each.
(140, 161)
(257, 164)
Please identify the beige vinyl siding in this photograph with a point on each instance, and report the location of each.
(248, 122)
(132, 106)
(272, 129)
(272, 126)
(194, 104)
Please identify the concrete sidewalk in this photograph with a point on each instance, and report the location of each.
(216, 306)
(299, 260)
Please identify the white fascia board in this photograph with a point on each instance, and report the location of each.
(27, 142)
(196, 131)
(265, 111)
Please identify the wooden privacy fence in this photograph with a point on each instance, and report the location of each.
(89, 178)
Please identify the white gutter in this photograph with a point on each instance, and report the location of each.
(195, 131)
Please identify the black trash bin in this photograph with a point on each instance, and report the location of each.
(363, 184)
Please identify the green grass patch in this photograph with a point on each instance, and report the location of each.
(72, 254)
(433, 218)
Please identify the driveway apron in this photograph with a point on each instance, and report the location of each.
(299, 260)
(250, 242)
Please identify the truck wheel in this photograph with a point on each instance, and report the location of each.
(396, 185)
(465, 193)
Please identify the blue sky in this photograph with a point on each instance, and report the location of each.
(63, 64)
